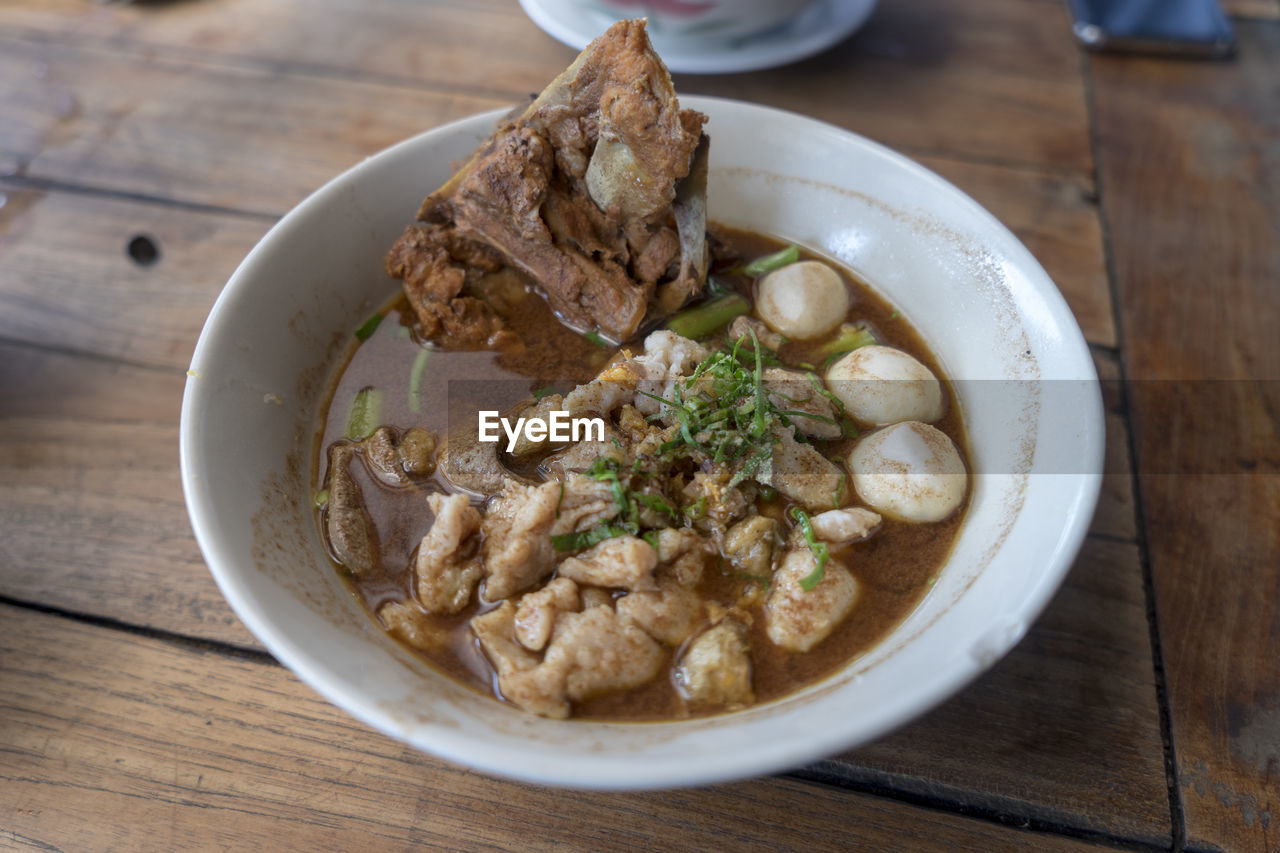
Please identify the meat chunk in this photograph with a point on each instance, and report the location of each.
(536, 613)
(581, 192)
(716, 668)
(803, 474)
(798, 619)
(381, 457)
(842, 526)
(623, 562)
(582, 504)
(409, 624)
(667, 359)
(522, 679)
(743, 326)
(434, 265)
(417, 449)
(750, 544)
(802, 398)
(352, 536)
(517, 546)
(599, 652)
(683, 554)
(590, 653)
(669, 614)
(448, 563)
(472, 464)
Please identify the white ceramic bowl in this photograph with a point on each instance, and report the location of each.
(276, 335)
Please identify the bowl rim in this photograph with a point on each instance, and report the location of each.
(604, 771)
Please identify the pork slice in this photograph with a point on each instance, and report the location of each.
(842, 526)
(599, 652)
(408, 623)
(802, 474)
(522, 679)
(537, 611)
(669, 614)
(448, 563)
(798, 619)
(582, 504)
(517, 548)
(624, 562)
(750, 544)
(716, 668)
(811, 411)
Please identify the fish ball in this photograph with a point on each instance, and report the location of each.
(882, 385)
(802, 300)
(910, 471)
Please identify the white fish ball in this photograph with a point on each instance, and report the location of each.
(882, 385)
(909, 471)
(802, 300)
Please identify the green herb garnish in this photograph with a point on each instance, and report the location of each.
(819, 549)
(769, 263)
(321, 499)
(368, 327)
(700, 321)
(848, 341)
(539, 393)
(587, 538)
(415, 379)
(596, 338)
(365, 414)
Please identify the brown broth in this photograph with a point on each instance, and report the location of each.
(894, 568)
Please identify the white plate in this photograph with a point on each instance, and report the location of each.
(279, 329)
(817, 28)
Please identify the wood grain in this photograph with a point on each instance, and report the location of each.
(68, 281)
(231, 137)
(1191, 158)
(1063, 731)
(180, 748)
(985, 79)
(92, 504)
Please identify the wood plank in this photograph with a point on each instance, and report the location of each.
(1065, 730)
(92, 504)
(1190, 171)
(231, 137)
(68, 281)
(183, 748)
(986, 79)
(1116, 516)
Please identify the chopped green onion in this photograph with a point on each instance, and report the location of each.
(696, 510)
(709, 316)
(415, 379)
(596, 338)
(587, 538)
(819, 549)
(717, 286)
(835, 495)
(657, 503)
(768, 493)
(539, 393)
(895, 315)
(321, 499)
(365, 415)
(848, 341)
(769, 263)
(368, 327)
(651, 536)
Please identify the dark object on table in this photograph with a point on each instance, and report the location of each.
(1195, 28)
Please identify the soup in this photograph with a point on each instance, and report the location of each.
(604, 461)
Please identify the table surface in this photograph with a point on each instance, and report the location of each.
(1142, 711)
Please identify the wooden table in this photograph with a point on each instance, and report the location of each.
(1141, 712)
